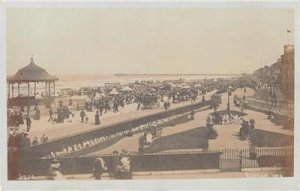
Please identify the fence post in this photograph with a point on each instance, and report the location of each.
(241, 158)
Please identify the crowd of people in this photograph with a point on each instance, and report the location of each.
(20, 139)
(121, 168)
(246, 128)
(62, 113)
(148, 137)
(15, 119)
(121, 165)
(226, 119)
(111, 102)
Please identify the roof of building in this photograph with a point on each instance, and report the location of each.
(31, 73)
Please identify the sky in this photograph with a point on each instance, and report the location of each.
(146, 40)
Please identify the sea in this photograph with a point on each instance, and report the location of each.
(80, 81)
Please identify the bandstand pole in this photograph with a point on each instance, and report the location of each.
(49, 88)
(54, 88)
(12, 90)
(34, 88)
(18, 89)
(28, 99)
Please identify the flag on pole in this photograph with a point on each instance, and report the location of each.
(287, 35)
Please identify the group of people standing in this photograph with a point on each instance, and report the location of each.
(247, 126)
(105, 104)
(62, 113)
(120, 166)
(18, 139)
(16, 119)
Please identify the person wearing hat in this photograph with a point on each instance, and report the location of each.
(125, 171)
(55, 170)
(99, 168)
(51, 115)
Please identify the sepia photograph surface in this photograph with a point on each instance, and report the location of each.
(149, 93)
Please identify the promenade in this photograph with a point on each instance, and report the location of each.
(189, 135)
(186, 135)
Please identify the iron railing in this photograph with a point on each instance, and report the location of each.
(225, 160)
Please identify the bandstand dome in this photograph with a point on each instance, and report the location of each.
(31, 73)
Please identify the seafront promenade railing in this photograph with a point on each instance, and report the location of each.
(281, 108)
(236, 159)
(63, 142)
(225, 160)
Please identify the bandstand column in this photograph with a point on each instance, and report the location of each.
(12, 90)
(46, 89)
(28, 102)
(34, 88)
(18, 89)
(49, 88)
(54, 88)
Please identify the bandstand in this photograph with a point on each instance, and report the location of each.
(30, 74)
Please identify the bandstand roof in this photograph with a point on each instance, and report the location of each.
(31, 73)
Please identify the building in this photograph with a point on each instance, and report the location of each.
(287, 70)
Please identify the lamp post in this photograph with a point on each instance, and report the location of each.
(229, 93)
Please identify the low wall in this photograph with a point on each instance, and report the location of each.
(139, 162)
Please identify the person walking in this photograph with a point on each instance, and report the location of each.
(82, 114)
(50, 115)
(37, 113)
(97, 118)
(28, 123)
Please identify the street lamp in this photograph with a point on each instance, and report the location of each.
(229, 94)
